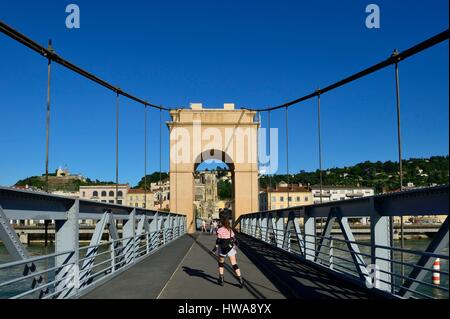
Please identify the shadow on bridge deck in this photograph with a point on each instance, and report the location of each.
(186, 269)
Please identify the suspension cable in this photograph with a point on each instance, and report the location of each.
(145, 156)
(250, 159)
(51, 55)
(270, 162)
(117, 145)
(400, 159)
(430, 42)
(287, 155)
(47, 138)
(320, 146)
(176, 166)
(320, 157)
(269, 189)
(257, 157)
(160, 159)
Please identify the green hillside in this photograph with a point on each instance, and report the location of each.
(383, 176)
(65, 183)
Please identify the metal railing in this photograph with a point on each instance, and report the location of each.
(375, 262)
(72, 270)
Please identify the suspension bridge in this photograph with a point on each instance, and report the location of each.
(282, 253)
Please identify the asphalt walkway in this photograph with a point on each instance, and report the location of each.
(186, 269)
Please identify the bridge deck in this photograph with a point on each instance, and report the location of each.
(186, 269)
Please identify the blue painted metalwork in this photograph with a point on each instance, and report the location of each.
(322, 249)
(73, 270)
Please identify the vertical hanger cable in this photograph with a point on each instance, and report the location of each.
(117, 145)
(287, 155)
(145, 156)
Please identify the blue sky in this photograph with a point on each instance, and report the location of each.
(252, 53)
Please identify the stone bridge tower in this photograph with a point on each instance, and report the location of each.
(198, 135)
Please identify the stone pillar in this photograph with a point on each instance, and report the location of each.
(246, 192)
(197, 135)
(182, 195)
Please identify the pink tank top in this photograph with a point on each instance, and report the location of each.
(224, 233)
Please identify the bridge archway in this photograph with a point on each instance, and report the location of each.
(227, 135)
(209, 194)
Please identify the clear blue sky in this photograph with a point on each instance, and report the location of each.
(252, 53)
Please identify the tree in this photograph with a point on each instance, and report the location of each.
(152, 178)
(221, 172)
(224, 190)
(379, 175)
(33, 181)
(55, 184)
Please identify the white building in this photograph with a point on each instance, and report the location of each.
(67, 194)
(105, 193)
(336, 193)
(283, 196)
(161, 193)
(206, 194)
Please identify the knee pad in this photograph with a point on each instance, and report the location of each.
(235, 267)
(221, 265)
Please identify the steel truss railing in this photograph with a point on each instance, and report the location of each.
(375, 263)
(73, 270)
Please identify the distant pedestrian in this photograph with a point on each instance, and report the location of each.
(226, 247)
(203, 226)
(215, 226)
(211, 227)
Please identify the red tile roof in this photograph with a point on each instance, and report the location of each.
(283, 189)
(138, 191)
